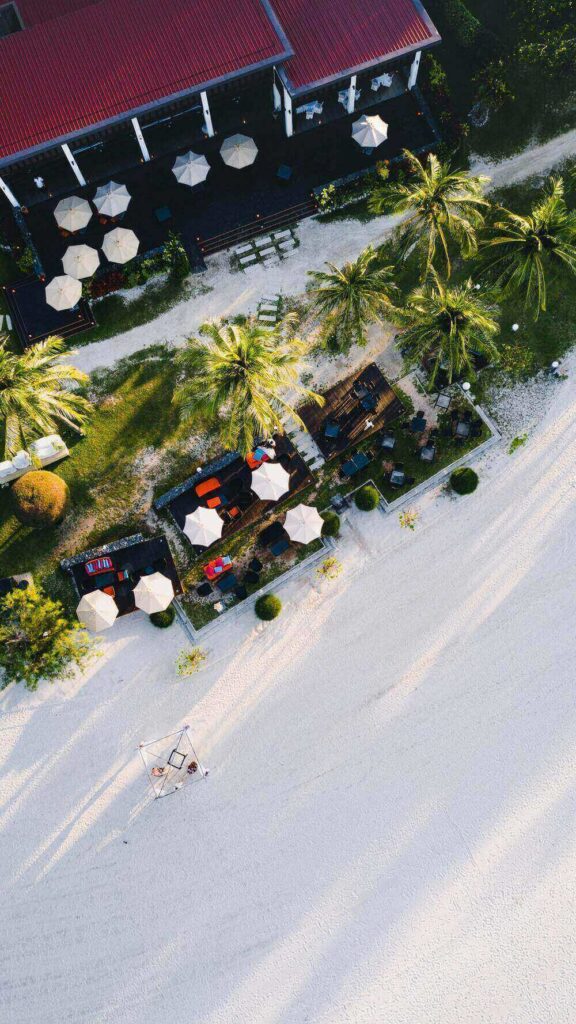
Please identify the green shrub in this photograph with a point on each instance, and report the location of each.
(163, 619)
(40, 498)
(175, 258)
(367, 498)
(268, 607)
(331, 526)
(464, 480)
(25, 261)
(463, 24)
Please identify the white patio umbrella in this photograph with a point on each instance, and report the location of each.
(120, 245)
(303, 523)
(270, 481)
(190, 168)
(370, 132)
(73, 213)
(153, 593)
(239, 151)
(112, 199)
(97, 611)
(80, 261)
(63, 292)
(203, 526)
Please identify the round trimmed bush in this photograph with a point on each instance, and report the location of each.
(367, 498)
(268, 607)
(163, 619)
(40, 498)
(464, 480)
(331, 526)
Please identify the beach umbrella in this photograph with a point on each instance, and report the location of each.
(63, 292)
(153, 593)
(80, 261)
(97, 611)
(73, 213)
(270, 481)
(370, 132)
(190, 168)
(303, 523)
(239, 151)
(120, 245)
(112, 199)
(203, 526)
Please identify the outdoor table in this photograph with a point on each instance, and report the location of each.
(443, 400)
(331, 430)
(284, 172)
(418, 424)
(368, 403)
(397, 477)
(462, 429)
(360, 460)
(427, 453)
(349, 468)
(388, 442)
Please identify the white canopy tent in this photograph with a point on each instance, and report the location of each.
(270, 481)
(73, 213)
(153, 593)
(303, 524)
(239, 151)
(370, 132)
(171, 762)
(63, 292)
(203, 526)
(112, 199)
(190, 168)
(120, 245)
(97, 611)
(80, 261)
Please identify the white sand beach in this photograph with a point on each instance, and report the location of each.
(387, 830)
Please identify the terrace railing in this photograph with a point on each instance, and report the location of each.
(273, 222)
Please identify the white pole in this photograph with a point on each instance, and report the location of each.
(414, 70)
(277, 97)
(351, 95)
(207, 115)
(9, 194)
(141, 139)
(288, 124)
(77, 172)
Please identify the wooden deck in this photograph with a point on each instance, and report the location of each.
(359, 405)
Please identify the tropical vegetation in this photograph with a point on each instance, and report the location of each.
(464, 480)
(351, 298)
(268, 607)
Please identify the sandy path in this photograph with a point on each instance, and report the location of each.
(233, 292)
(387, 833)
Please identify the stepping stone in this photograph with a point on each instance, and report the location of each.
(247, 260)
(288, 244)
(277, 235)
(265, 240)
(241, 249)
(267, 319)
(268, 252)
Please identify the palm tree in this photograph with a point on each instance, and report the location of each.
(35, 396)
(522, 251)
(351, 298)
(438, 204)
(447, 323)
(240, 379)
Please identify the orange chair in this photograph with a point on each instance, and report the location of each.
(213, 502)
(212, 484)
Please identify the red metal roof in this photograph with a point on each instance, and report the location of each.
(331, 37)
(34, 11)
(99, 60)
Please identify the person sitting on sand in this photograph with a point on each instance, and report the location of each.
(192, 767)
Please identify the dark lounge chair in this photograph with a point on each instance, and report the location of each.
(241, 592)
(204, 589)
(271, 534)
(255, 564)
(251, 577)
(227, 583)
(279, 547)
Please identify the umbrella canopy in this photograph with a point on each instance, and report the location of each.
(63, 292)
(153, 593)
(112, 199)
(270, 481)
(203, 526)
(120, 245)
(190, 168)
(303, 523)
(80, 261)
(239, 151)
(97, 611)
(370, 131)
(73, 213)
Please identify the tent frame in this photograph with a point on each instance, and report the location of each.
(170, 778)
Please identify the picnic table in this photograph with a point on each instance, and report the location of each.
(462, 429)
(418, 424)
(355, 464)
(397, 478)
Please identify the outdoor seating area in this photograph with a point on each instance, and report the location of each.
(121, 571)
(355, 408)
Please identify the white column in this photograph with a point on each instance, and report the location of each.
(277, 97)
(207, 115)
(414, 70)
(141, 139)
(288, 124)
(9, 194)
(77, 172)
(351, 95)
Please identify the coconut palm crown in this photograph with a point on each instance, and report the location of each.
(241, 379)
(35, 394)
(351, 298)
(438, 205)
(447, 324)
(520, 252)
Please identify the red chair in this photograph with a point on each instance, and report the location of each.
(206, 486)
